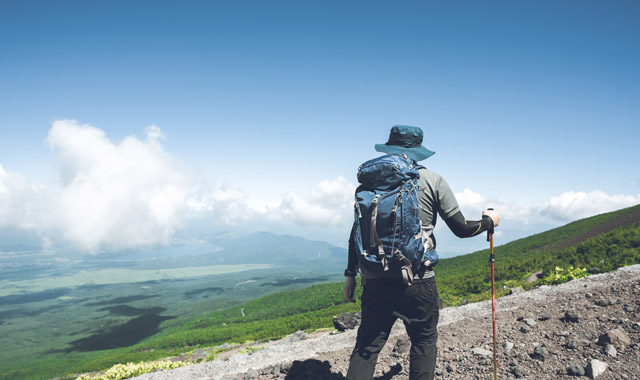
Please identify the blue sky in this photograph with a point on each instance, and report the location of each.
(264, 110)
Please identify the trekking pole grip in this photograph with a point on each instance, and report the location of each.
(490, 230)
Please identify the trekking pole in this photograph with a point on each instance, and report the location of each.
(493, 301)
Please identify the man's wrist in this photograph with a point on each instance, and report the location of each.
(488, 221)
(350, 273)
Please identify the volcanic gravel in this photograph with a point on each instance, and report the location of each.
(552, 332)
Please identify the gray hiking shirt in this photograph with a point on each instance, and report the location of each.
(435, 198)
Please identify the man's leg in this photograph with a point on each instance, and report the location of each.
(372, 334)
(422, 309)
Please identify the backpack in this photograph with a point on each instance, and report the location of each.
(388, 231)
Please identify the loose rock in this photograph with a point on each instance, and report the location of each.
(402, 346)
(508, 346)
(347, 321)
(595, 368)
(298, 336)
(575, 370)
(540, 353)
(571, 316)
(616, 337)
(517, 290)
(481, 352)
(610, 350)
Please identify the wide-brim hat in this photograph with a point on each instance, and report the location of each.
(405, 139)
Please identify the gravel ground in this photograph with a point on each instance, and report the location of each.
(547, 333)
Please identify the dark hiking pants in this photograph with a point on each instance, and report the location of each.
(383, 301)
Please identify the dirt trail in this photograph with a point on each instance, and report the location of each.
(534, 322)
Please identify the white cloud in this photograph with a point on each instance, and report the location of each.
(133, 194)
(19, 200)
(572, 205)
(122, 195)
(566, 207)
(330, 204)
(227, 205)
(472, 204)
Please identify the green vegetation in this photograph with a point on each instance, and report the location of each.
(468, 278)
(267, 318)
(560, 275)
(117, 276)
(125, 371)
(581, 244)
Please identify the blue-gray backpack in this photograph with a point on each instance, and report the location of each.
(388, 231)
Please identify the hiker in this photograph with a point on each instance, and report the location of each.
(386, 296)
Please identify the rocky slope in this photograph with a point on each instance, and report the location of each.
(563, 332)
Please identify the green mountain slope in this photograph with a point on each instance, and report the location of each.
(601, 243)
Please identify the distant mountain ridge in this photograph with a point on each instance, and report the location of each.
(285, 248)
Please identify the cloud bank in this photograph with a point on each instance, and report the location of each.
(566, 207)
(132, 194)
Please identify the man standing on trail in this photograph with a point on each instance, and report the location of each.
(386, 296)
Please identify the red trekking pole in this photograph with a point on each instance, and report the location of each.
(493, 301)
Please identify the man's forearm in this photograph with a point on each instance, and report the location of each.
(467, 228)
(352, 263)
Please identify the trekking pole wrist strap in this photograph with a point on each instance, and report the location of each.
(488, 221)
(350, 273)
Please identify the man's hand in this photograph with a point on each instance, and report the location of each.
(493, 214)
(349, 289)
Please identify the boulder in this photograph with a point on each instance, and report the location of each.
(347, 321)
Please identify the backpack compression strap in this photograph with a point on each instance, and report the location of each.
(407, 271)
(375, 239)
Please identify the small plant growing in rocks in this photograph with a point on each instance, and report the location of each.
(561, 275)
(125, 371)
